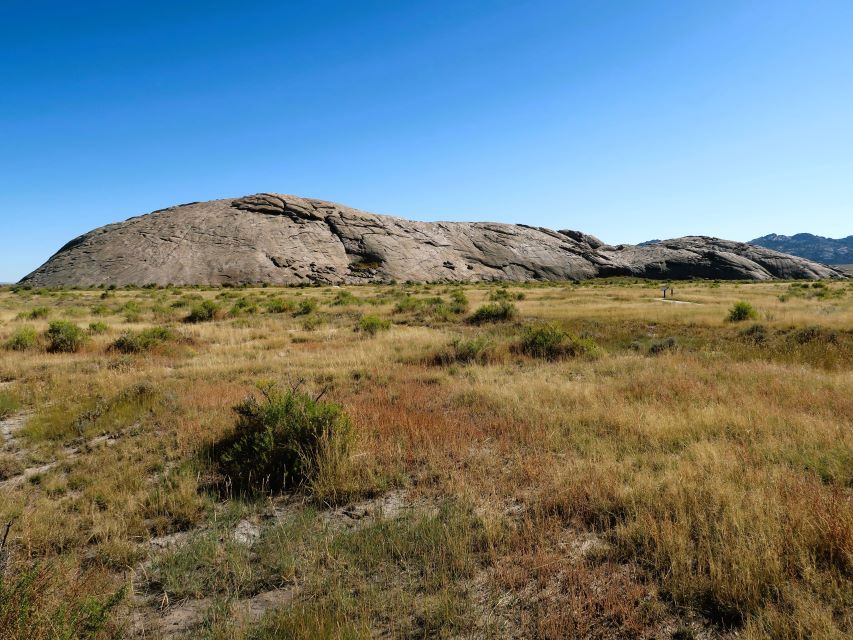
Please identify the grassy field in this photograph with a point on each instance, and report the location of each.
(541, 461)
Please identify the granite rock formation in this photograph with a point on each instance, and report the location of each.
(283, 239)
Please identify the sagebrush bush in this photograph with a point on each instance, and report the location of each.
(741, 311)
(756, 333)
(496, 312)
(305, 307)
(131, 342)
(283, 441)
(371, 325)
(243, 306)
(23, 339)
(458, 301)
(64, 337)
(663, 345)
(462, 351)
(277, 305)
(344, 298)
(204, 311)
(550, 342)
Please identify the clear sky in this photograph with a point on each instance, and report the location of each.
(628, 120)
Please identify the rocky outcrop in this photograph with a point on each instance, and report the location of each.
(283, 239)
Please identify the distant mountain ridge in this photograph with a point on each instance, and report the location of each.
(810, 246)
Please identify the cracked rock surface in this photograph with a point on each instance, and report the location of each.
(285, 239)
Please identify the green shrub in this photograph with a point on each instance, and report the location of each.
(312, 323)
(480, 350)
(408, 303)
(23, 339)
(8, 404)
(458, 301)
(550, 342)
(741, 311)
(130, 342)
(64, 337)
(309, 305)
(131, 310)
(283, 441)
(97, 328)
(277, 305)
(371, 325)
(495, 312)
(204, 311)
(243, 305)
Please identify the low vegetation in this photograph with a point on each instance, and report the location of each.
(64, 337)
(145, 340)
(371, 324)
(285, 439)
(497, 312)
(541, 460)
(741, 311)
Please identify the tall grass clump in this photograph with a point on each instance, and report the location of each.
(23, 339)
(496, 312)
(37, 602)
(64, 337)
(97, 328)
(8, 405)
(284, 440)
(741, 311)
(36, 313)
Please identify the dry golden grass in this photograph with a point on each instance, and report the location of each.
(694, 477)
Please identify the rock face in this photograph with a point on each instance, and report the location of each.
(282, 239)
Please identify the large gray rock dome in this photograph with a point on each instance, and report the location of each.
(284, 239)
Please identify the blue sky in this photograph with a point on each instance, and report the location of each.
(629, 120)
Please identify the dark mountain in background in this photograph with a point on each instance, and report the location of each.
(811, 247)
